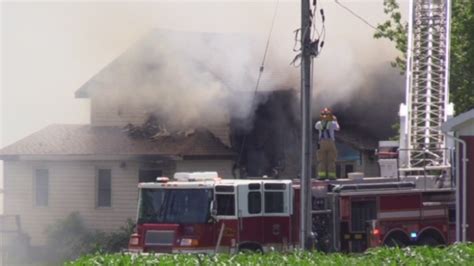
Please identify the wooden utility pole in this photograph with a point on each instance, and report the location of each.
(306, 128)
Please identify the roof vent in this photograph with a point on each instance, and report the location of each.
(196, 176)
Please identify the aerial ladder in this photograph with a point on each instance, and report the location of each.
(423, 146)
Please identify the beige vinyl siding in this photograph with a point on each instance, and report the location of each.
(168, 168)
(105, 111)
(222, 167)
(72, 187)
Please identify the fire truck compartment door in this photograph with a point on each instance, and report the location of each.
(277, 195)
(250, 206)
(250, 199)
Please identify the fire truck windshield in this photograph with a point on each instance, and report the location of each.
(181, 206)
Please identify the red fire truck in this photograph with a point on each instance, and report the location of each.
(199, 212)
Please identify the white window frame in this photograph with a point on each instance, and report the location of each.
(287, 198)
(236, 200)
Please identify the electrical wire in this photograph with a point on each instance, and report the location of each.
(269, 37)
(262, 65)
(314, 14)
(322, 37)
(261, 69)
(297, 31)
(356, 15)
(320, 34)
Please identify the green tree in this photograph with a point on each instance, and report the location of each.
(396, 31)
(462, 55)
(461, 77)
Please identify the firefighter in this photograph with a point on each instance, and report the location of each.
(327, 152)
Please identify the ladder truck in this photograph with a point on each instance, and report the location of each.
(425, 152)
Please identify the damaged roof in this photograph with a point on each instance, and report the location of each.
(64, 140)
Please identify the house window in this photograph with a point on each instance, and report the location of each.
(104, 188)
(42, 187)
(255, 202)
(148, 175)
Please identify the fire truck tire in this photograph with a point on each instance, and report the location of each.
(250, 248)
(431, 237)
(429, 241)
(396, 239)
(394, 242)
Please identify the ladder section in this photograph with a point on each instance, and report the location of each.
(427, 80)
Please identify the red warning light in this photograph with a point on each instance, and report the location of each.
(376, 232)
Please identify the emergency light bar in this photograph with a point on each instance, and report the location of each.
(196, 176)
(162, 179)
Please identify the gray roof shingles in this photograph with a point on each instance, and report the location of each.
(112, 140)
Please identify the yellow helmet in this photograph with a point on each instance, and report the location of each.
(326, 111)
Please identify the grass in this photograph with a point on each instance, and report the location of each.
(458, 254)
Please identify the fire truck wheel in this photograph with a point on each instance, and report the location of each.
(396, 239)
(428, 241)
(394, 242)
(250, 248)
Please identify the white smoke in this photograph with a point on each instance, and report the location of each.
(194, 78)
(188, 79)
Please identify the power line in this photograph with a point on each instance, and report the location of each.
(269, 36)
(262, 67)
(356, 15)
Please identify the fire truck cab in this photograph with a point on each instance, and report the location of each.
(202, 213)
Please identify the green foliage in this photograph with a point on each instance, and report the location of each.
(118, 240)
(462, 55)
(462, 48)
(396, 128)
(396, 31)
(66, 238)
(69, 239)
(459, 254)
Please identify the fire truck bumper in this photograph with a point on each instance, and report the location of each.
(134, 250)
(204, 250)
(194, 251)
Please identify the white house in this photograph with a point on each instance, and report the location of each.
(94, 169)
